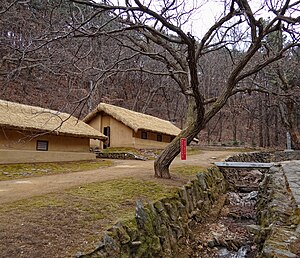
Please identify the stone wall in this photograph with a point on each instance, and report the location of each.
(159, 228)
(285, 155)
(118, 155)
(278, 217)
(276, 156)
(251, 157)
(278, 230)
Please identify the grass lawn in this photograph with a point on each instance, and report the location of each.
(18, 171)
(72, 220)
(187, 171)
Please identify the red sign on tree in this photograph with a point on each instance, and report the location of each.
(183, 148)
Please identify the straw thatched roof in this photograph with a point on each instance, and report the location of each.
(23, 117)
(134, 120)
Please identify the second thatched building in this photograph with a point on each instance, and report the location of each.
(127, 128)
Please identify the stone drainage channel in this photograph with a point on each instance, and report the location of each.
(229, 235)
(259, 216)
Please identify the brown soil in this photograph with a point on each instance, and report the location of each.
(56, 231)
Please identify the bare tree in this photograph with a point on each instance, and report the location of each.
(282, 80)
(288, 83)
(158, 32)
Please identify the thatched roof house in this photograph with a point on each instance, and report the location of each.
(129, 128)
(34, 134)
(135, 120)
(18, 116)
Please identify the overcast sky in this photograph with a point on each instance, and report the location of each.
(209, 11)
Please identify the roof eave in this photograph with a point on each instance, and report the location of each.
(90, 116)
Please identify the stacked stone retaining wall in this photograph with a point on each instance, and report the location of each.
(277, 211)
(159, 228)
(276, 156)
(243, 180)
(278, 216)
(251, 157)
(285, 155)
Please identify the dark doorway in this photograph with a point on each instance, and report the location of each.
(106, 132)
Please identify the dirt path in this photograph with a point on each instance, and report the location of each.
(15, 190)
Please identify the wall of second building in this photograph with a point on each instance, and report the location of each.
(152, 140)
(152, 136)
(123, 136)
(148, 144)
(120, 134)
(21, 147)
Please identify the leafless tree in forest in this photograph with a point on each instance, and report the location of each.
(161, 33)
(281, 80)
(286, 80)
(38, 56)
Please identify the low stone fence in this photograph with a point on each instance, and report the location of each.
(118, 155)
(159, 228)
(285, 155)
(276, 156)
(251, 157)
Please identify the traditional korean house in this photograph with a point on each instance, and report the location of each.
(126, 128)
(34, 134)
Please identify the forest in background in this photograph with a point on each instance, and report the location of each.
(45, 62)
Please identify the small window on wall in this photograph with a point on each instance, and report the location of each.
(159, 138)
(42, 145)
(144, 135)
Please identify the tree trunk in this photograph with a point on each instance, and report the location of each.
(260, 123)
(234, 130)
(196, 124)
(276, 136)
(164, 160)
(220, 127)
(208, 134)
(267, 116)
(293, 125)
(295, 138)
(288, 112)
(195, 116)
